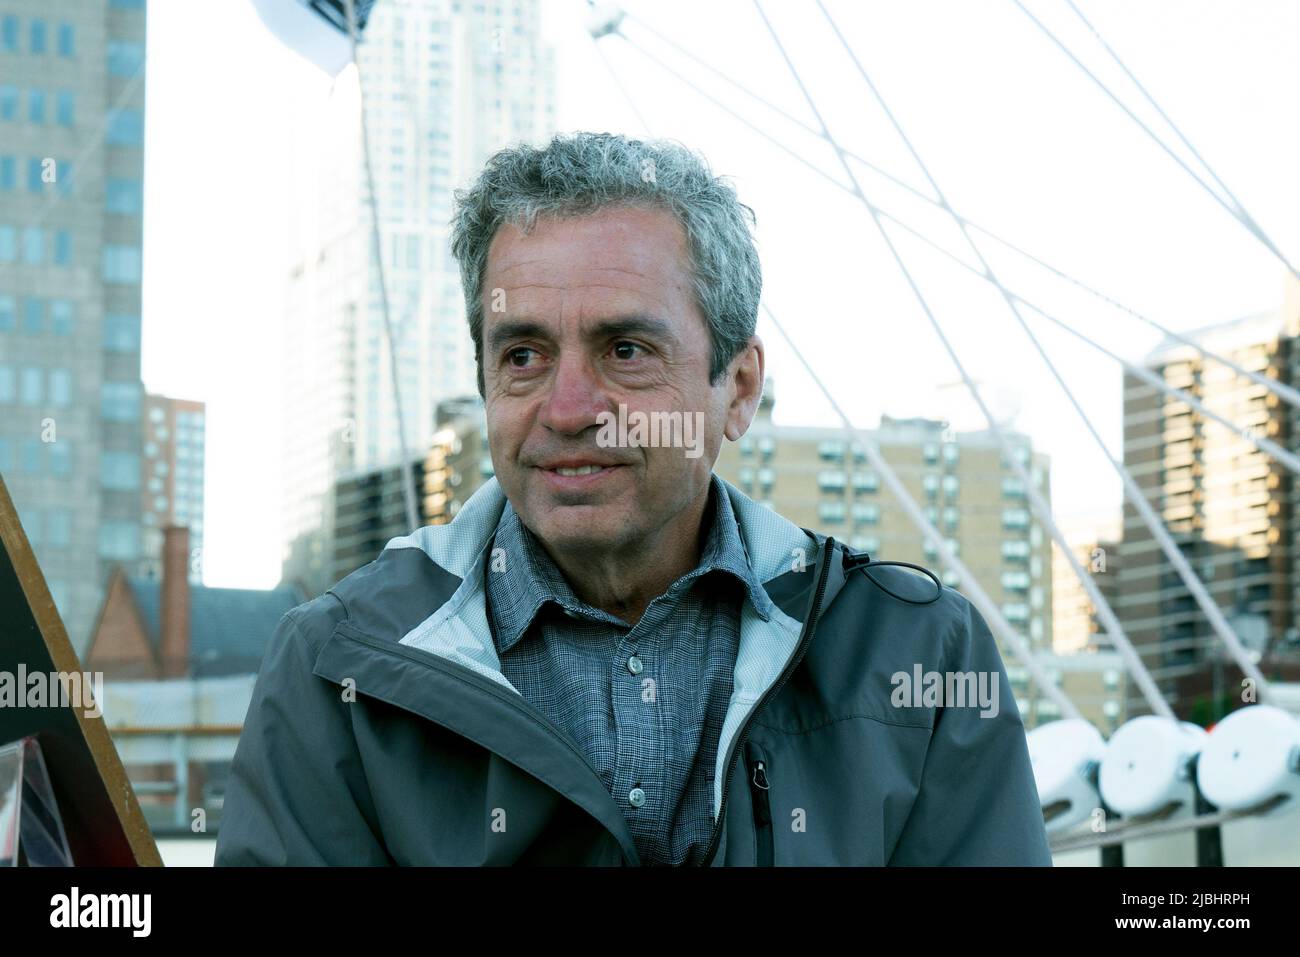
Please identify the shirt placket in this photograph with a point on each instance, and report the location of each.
(643, 758)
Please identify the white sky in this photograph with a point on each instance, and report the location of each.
(1017, 137)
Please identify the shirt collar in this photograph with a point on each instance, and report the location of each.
(521, 576)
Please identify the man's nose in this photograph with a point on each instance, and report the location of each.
(575, 397)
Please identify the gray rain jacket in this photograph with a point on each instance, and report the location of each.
(381, 730)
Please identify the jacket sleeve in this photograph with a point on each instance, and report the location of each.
(978, 803)
(297, 793)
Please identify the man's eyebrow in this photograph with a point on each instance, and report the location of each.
(632, 325)
(509, 330)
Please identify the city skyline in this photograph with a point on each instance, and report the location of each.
(1196, 265)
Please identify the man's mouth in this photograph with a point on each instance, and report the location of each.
(577, 475)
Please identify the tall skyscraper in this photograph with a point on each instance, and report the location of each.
(1226, 504)
(172, 483)
(446, 84)
(72, 99)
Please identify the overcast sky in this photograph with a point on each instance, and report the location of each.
(1017, 137)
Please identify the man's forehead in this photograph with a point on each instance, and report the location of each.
(626, 239)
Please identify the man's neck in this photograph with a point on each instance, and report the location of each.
(626, 581)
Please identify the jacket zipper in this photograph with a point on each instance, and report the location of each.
(759, 788)
(828, 551)
(514, 700)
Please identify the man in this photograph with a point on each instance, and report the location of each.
(611, 655)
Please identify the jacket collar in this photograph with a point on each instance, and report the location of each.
(531, 580)
(458, 631)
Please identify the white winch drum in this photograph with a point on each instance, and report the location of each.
(1061, 753)
(1147, 766)
(1249, 758)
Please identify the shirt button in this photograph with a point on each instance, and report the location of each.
(636, 797)
(634, 665)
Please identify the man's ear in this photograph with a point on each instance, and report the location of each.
(744, 388)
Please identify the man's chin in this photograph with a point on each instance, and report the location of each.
(572, 527)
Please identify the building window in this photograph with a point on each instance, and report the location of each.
(60, 387)
(35, 175)
(33, 245)
(1015, 548)
(8, 173)
(61, 458)
(1022, 454)
(7, 313)
(746, 477)
(831, 450)
(932, 551)
(36, 105)
(62, 248)
(8, 244)
(766, 447)
(125, 128)
(1015, 518)
(61, 317)
(831, 480)
(951, 515)
(1012, 487)
(930, 452)
(6, 385)
(1017, 612)
(1015, 581)
(120, 471)
(124, 196)
(31, 455)
(831, 512)
(125, 57)
(58, 526)
(31, 386)
(120, 402)
(121, 264)
(867, 513)
(64, 105)
(67, 40)
(38, 36)
(766, 478)
(864, 543)
(33, 314)
(122, 334)
(951, 453)
(119, 540)
(950, 485)
(865, 482)
(8, 102)
(930, 483)
(9, 34)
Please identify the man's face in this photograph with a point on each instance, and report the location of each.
(580, 316)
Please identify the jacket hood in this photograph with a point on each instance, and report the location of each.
(779, 551)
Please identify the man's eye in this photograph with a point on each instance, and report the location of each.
(514, 354)
(622, 350)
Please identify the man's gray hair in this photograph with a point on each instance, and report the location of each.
(580, 173)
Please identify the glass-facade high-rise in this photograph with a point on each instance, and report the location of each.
(72, 100)
(446, 84)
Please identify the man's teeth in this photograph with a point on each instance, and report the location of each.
(584, 470)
